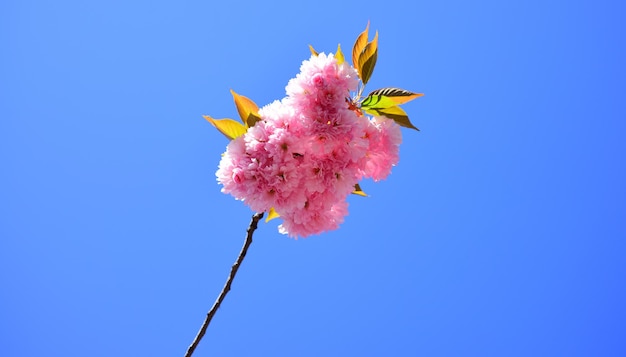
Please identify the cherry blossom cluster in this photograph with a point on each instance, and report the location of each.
(305, 155)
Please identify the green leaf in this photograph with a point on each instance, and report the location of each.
(313, 51)
(396, 114)
(358, 191)
(247, 109)
(339, 56)
(271, 215)
(373, 101)
(358, 47)
(396, 95)
(230, 128)
(367, 59)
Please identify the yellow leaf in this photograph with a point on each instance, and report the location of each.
(247, 109)
(230, 128)
(271, 215)
(394, 110)
(313, 51)
(367, 59)
(396, 113)
(358, 191)
(339, 56)
(359, 45)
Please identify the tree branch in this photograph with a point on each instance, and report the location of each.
(233, 271)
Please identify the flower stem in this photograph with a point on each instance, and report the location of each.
(233, 271)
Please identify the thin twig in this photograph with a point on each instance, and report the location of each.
(233, 271)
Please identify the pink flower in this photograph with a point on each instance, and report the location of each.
(322, 71)
(309, 150)
(383, 153)
(316, 217)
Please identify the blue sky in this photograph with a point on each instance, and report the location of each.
(500, 233)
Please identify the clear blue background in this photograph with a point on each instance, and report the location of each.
(500, 233)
